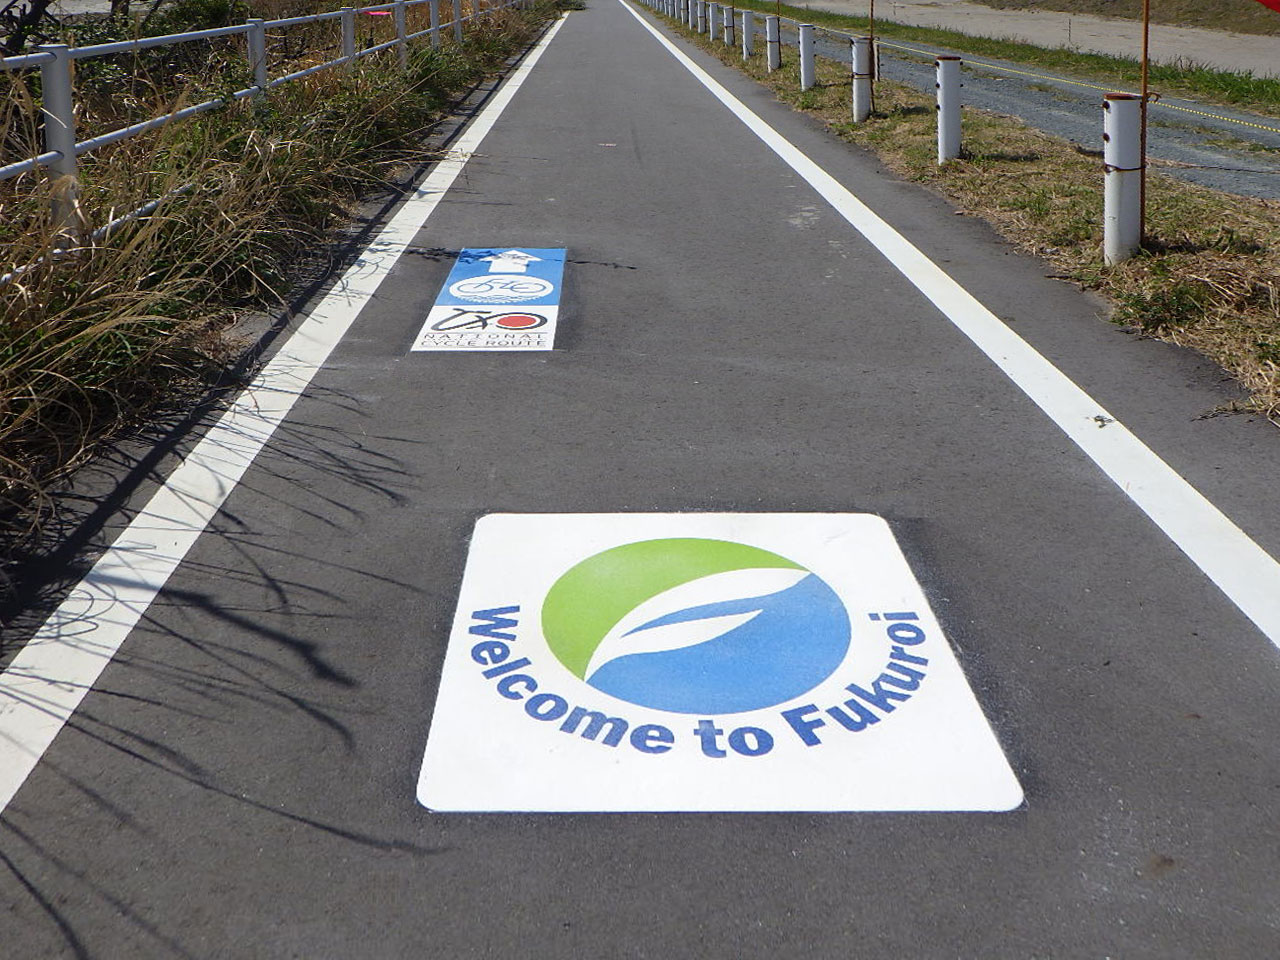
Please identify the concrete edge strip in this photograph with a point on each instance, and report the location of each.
(44, 684)
(1241, 569)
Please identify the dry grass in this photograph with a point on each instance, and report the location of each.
(93, 339)
(1184, 78)
(1209, 278)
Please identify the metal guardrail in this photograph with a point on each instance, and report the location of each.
(55, 63)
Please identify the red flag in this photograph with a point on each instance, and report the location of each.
(1273, 4)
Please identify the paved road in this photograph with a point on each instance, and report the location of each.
(240, 782)
(1052, 28)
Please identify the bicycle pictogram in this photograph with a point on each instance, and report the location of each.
(501, 288)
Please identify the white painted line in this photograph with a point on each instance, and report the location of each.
(45, 683)
(1246, 573)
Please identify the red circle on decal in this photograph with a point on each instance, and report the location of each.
(520, 321)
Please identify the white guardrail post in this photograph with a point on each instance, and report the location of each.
(862, 77)
(435, 24)
(806, 56)
(457, 20)
(726, 28)
(402, 33)
(58, 107)
(772, 44)
(713, 22)
(948, 85)
(1122, 161)
(748, 34)
(256, 44)
(349, 36)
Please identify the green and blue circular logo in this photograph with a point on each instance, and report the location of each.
(692, 625)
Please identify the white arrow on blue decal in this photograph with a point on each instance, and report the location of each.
(511, 261)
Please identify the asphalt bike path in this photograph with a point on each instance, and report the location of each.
(240, 781)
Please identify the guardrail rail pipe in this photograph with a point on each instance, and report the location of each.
(56, 62)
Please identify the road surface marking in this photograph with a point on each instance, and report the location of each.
(45, 683)
(495, 299)
(702, 662)
(1247, 574)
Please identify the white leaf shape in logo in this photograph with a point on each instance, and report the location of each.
(717, 588)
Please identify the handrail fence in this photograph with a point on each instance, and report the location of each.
(56, 65)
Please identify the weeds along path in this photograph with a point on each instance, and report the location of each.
(91, 341)
(1232, 150)
(1060, 92)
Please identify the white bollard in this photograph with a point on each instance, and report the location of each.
(713, 22)
(748, 34)
(702, 16)
(1122, 161)
(772, 44)
(806, 56)
(948, 85)
(862, 77)
(726, 28)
